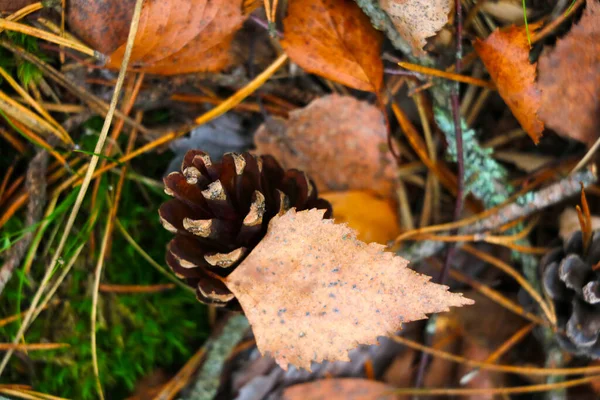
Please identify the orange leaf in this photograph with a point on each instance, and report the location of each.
(334, 39)
(374, 219)
(569, 78)
(416, 20)
(339, 141)
(506, 56)
(176, 36)
(312, 291)
(340, 388)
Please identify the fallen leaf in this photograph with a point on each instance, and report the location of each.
(569, 78)
(340, 389)
(312, 291)
(416, 20)
(374, 219)
(505, 54)
(334, 39)
(340, 142)
(174, 37)
(14, 5)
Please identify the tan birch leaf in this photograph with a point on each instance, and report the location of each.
(312, 291)
(416, 20)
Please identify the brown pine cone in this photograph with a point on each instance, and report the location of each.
(221, 211)
(572, 280)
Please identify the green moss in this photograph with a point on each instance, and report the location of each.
(136, 333)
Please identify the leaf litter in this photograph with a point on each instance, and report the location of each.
(312, 78)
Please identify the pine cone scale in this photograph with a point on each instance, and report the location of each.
(220, 211)
(570, 280)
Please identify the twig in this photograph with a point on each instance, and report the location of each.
(430, 326)
(129, 289)
(36, 185)
(451, 392)
(219, 110)
(209, 377)
(25, 11)
(500, 351)
(527, 371)
(29, 30)
(548, 29)
(447, 75)
(536, 201)
(95, 103)
(86, 181)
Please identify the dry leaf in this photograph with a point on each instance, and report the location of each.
(312, 291)
(334, 39)
(505, 54)
(373, 218)
(176, 36)
(569, 78)
(14, 5)
(416, 20)
(340, 389)
(340, 142)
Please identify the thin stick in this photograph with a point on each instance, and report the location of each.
(33, 346)
(86, 181)
(27, 117)
(50, 37)
(504, 213)
(447, 75)
(516, 276)
(150, 260)
(528, 371)
(25, 11)
(62, 133)
(95, 103)
(545, 387)
(128, 289)
(219, 110)
(548, 29)
(95, 296)
(173, 387)
(497, 297)
(500, 351)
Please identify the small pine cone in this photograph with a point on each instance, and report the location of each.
(571, 280)
(220, 211)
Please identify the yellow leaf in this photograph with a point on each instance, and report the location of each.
(373, 218)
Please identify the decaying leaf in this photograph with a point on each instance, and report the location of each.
(14, 5)
(312, 291)
(505, 54)
(334, 39)
(373, 218)
(174, 37)
(340, 388)
(416, 20)
(569, 78)
(340, 142)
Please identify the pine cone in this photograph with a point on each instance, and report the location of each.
(571, 280)
(221, 211)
